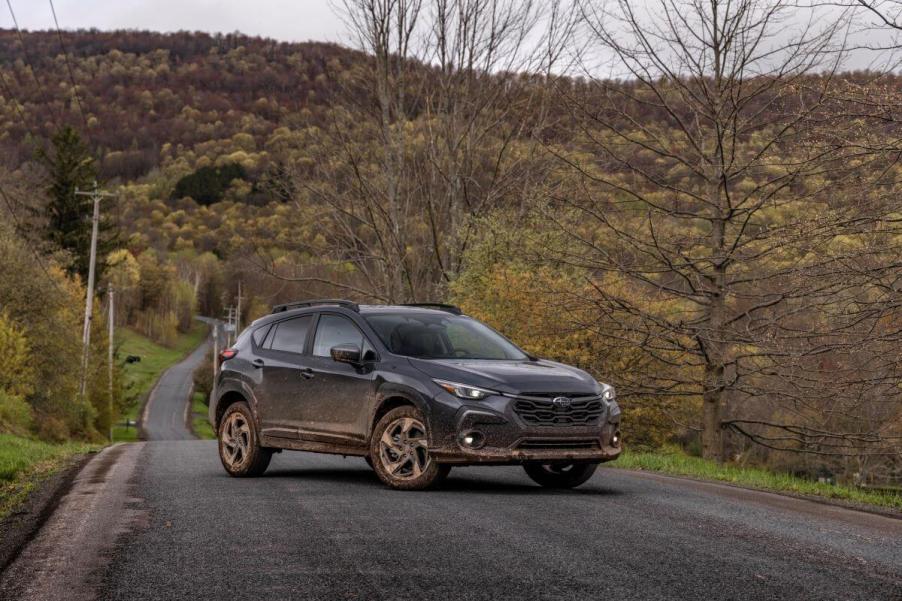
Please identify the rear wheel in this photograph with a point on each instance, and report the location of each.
(399, 451)
(239, 445)
(560, 475)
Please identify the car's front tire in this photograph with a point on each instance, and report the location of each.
(239, 446)
(399, 451)
(560, 475)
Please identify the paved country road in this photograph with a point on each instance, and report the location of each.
(164, 414)
(161, 520)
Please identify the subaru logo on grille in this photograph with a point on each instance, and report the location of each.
(561, 402)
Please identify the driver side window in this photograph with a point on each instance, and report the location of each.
(334, 330)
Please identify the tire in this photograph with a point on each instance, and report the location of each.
(560, 475)
(399, 453)
(239, 445)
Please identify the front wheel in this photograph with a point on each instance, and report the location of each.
(399, 451)
(560, 475)
(239, 445)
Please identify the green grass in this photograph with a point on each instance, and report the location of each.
(140, 377)
(674, 461)
(200, 425)
(25, 463)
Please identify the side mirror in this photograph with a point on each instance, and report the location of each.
(346, 353)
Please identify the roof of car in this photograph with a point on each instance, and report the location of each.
(286, 311)
(401, 309)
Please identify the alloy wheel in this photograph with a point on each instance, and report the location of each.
(236, 440)
(403, 449)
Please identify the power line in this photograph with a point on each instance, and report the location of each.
(59, 35)
(37, 255)
(41, 89)
(6, 200)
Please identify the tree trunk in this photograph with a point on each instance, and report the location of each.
(715, 346)
(712, 433)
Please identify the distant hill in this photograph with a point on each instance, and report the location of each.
(139, 90)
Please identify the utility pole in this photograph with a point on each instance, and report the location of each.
(215, 359)
(238, 312)
(111, 310)
(96, 196)
(230, 325)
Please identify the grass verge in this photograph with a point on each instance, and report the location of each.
(200, 425)
(675, 462)
(25, 463)
(141, 376)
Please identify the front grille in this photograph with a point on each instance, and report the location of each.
(552, 444)
(541, 412)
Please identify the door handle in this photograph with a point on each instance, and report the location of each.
(307, 373)
(258, 363)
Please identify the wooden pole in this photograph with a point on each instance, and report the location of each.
(111, 310)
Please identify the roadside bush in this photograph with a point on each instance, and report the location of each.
(203, 377)
(15, 414)
(16, 372)
(44, 307)
(16, 378)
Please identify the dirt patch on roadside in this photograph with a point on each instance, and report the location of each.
(24, 522)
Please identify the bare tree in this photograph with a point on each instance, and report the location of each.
(888, 12)
(717, 215)
(486, 101)
(434, 128)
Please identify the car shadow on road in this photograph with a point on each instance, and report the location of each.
(460, 483)
(457, 482)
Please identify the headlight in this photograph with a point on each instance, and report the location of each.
(609, 394)
(463, 391)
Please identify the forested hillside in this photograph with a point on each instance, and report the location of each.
(718, 239)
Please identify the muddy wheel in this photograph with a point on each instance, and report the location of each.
(239, 445)
(560, 475)
(399, 451)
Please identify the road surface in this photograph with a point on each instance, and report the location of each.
(165, 414)
(162, 520)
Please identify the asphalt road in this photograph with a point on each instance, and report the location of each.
(165, 416)
(162, 520)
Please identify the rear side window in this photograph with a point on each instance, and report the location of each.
(260, 334)
(291, 335)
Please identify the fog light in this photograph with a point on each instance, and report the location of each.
(472, 439)
(615, 439)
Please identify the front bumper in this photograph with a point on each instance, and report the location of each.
(506, 437)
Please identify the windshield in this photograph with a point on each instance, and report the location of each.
(441, 336)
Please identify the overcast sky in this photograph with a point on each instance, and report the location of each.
(292, 20)
(288, 20)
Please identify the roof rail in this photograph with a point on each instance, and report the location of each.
(441, 306)
(316, 302)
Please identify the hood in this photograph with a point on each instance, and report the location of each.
(513, 377)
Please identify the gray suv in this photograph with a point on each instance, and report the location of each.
(414, 389)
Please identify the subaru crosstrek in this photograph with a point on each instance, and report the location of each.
(413, 389)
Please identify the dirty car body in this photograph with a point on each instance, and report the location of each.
(319, 375)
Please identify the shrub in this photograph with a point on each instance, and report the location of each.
(203, 377)
(15, 414)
